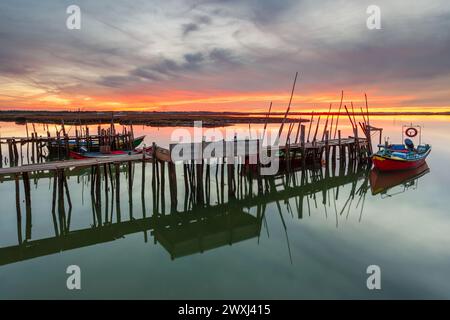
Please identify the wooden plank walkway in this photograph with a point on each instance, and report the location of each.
(56, 165)
(332, 142)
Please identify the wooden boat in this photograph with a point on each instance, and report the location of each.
(381, 182)
(94, 144)
(402, 156)
(117, 153)
(94, 154)
(392, 159)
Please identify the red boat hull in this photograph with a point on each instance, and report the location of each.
(387, 164)
(383, 181)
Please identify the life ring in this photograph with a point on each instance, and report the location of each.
(411, 132)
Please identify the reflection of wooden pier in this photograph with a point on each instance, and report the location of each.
(199, 227)
(180, 235)
(231, 178)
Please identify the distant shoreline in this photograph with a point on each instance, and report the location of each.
(175, 118)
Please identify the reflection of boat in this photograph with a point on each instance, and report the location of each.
(402, 156)
(381, 182)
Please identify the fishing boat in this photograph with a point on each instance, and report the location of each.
(382, 182)
(406, 156)
(84, 154)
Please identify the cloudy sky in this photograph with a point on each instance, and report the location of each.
(223, 55)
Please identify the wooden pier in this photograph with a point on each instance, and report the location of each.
(196, 227)
(41, 148)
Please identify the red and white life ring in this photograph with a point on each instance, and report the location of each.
(411, 132)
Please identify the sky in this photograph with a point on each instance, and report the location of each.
(229, 55)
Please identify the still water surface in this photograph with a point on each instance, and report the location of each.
(300, 242)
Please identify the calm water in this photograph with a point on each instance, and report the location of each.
(314, 241)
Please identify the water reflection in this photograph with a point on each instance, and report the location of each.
(218, 210)
(388, 184)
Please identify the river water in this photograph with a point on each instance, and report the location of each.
(311, 238)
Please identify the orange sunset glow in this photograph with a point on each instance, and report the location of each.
(212, 57)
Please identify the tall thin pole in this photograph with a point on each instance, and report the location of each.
(367, 110)
(287, 110)
(339, 112)
(267, 120)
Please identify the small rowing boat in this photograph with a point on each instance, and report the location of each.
(392, 157)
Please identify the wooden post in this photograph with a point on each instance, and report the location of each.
(199, 172)
(117, 174)
(18, 211)
(1, 155)
(317, 128)
(327, 148)
(163, 185)
(339, 113)
(302, 144)
(130, 189)
(326, 123)
(16, 153)
(310, 125)
(185, 174)
(143, 173)
(154, 163)
(55, 186)
(66, 187)
(258, 166)
(173, 186)
(341, 150)
(26, 185)
(97, 186)
(357, 148)
(10, 153)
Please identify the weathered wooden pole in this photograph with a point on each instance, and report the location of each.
(302, 144)
(66, 187)
(173, 186)
(287, 110)
(310, 125)
(117, 173)
(339, 113)
(326, 123)
(26, 185)
(143, 173)
(18, 211)
(130, 188)
(258, 166)
(341, 150)
(317, 129)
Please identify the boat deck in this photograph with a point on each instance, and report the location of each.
(66, 164)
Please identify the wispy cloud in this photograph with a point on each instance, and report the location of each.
(136, 50)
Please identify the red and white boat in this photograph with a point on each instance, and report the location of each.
(393, 157)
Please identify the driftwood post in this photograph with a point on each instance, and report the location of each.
(18, 211)
(26, 185)
(302, 144)
(173, 186)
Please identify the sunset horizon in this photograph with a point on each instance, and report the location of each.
(224, 158)
(215, 56)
